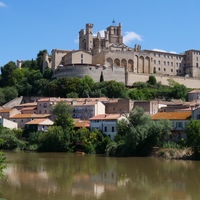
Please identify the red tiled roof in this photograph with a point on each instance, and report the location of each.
(29, 108)
(172, 115)
(41, 121)
(106, 117)
(81, 124)
(5, 110)
(27, 104)
(19, 116)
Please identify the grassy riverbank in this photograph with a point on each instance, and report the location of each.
(173, 153)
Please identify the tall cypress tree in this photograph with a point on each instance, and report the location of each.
(101, 77)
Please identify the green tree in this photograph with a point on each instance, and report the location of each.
(52, 140)
(101, 77)
(48, 73)
(115, 89)
(72, 95)
(2, 164)
(138, 134)
(39, 59)
(9, 140)
(10, 93)
(152, 80)
(179, 91)
(6, 73)
(30, 64)
(62, 112)
(193, 135)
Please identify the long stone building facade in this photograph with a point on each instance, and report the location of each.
(109, 55)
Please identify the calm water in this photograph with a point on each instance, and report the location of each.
(59, 176)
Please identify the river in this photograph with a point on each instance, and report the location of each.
(61, 176)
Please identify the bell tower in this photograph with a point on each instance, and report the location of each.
(89, 37)
(115, 33)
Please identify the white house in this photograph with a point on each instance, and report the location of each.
(7, 123)
(106, 123)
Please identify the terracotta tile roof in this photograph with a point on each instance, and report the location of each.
(28, 108)
(27, 104)
(41, 122)
(172, 115)
(5, 110)
(88, 103)
(81, 124)
(73, 99)
(20, 116)
(106, 117)
(172, 102)
(44, 99)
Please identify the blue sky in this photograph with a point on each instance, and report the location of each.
(28, 26)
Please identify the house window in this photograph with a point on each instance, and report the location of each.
(81, 55)
(159, 69)
(154, 61)
(105, 129)
(159, 62)
(164, 69)
(164, 62)
(171, 63)
(179, 124)
(171, 70)
(198, 116)
(113, 128)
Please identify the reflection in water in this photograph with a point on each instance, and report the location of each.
(67, 176)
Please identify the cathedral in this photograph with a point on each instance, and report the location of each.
(109, 55)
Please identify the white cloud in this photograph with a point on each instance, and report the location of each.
(130, 36)
(2, 4)
(160, 50)
(173, 52)
(76, 40)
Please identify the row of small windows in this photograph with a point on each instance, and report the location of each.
(164, 69)
(197, 53)
(167, 63)
(113, 129)
(188, 58)
(168, 56)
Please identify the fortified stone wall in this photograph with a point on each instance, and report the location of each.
(115, 73)
(188, 82)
